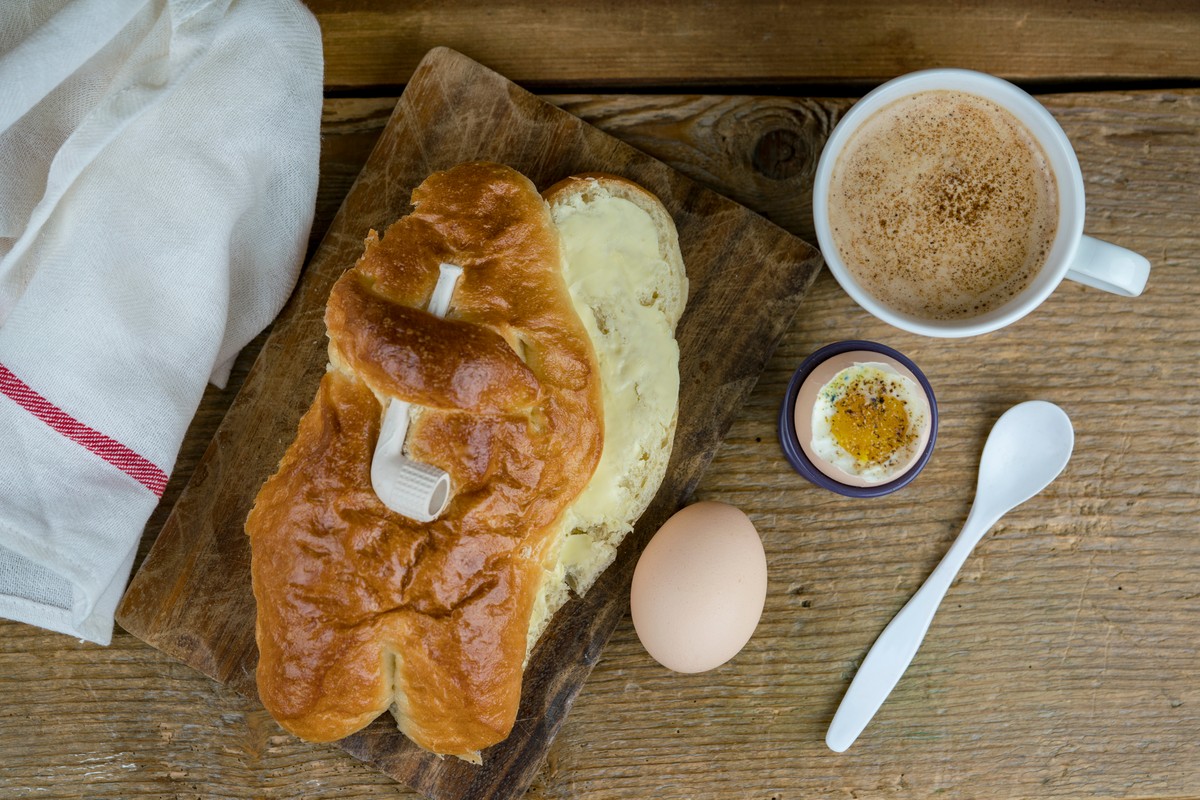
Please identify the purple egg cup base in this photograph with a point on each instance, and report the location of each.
(791, 442)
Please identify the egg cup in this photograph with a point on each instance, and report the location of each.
(790, 441)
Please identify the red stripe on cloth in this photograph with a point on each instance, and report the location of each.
(135, 466)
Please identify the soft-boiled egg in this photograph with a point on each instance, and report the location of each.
(699, 587)
(860, 418)
(867, 421)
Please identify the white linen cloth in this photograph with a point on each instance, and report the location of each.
(158, 174)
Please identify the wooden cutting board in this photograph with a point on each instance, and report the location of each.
(192, 598)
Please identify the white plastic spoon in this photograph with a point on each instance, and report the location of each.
(1028, 447)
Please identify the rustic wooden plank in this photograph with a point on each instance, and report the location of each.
(1068, 671)
(191, 598)
(632, 43)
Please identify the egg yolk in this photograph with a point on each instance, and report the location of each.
(869, 422)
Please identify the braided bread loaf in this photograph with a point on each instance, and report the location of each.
(361, 609)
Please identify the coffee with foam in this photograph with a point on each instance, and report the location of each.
(942, 205)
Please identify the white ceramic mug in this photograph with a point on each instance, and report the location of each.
(1072, 255)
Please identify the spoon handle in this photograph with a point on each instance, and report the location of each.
(893, 651)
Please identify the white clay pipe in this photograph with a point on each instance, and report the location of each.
(415, 490)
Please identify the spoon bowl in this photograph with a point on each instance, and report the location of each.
(1027, 449)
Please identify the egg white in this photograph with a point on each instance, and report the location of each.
(825, 446)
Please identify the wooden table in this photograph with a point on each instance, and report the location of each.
(1063, 663)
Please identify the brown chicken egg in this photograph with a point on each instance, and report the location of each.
(699, 588)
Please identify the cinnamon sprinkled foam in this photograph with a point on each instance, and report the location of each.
(942, 205)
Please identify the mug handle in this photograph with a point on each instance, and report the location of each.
(1106, 266)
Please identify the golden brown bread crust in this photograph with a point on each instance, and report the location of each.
(433, 362)
(348, 590)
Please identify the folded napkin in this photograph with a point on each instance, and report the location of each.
(158, 173)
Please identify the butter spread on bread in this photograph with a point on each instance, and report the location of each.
(360, 609)
(627, 280)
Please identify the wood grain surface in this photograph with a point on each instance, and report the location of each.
(634, 43)
(191, 597)
(1062, 664)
